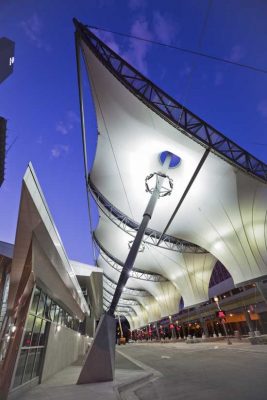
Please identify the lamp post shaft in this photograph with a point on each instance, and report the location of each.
(223, 324)
(128, 265)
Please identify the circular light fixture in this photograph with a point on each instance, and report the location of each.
(165, 190)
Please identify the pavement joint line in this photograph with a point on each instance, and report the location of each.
(134, 384)
(130, 394)
(127, 390)
(143, 366)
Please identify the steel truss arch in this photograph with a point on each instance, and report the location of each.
(127, 302)
(116, 264)
(125, 311)
(127, 290)
(130, 227)
(171, 110)
(120, 308)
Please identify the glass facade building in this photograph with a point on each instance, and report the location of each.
(42, 312)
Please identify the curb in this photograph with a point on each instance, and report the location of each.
(135, 382)
(126, 390)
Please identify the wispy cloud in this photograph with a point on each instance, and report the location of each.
(40, 140)
(161, 28)
(67, 124)
(185, 71)
(218, 81)
(108, 38)
(237, 53)
(33, 28)
(136, 4)
(262, 108)
(59, 150)
(164, 28)
(137, 52)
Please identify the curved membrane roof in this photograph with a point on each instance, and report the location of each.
(224, 211)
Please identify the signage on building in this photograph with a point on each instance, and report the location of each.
(7, 52)
(220, 314)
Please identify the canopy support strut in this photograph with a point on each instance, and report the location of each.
(100, 360)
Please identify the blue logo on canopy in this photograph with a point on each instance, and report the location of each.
(175, 160)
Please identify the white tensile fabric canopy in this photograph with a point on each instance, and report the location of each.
(224, 211)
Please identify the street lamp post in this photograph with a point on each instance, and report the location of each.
(157, 330)
(178, 335)
(223, 324)
(100, 360)
(171, 326)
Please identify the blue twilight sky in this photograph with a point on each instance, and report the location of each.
(40, 99)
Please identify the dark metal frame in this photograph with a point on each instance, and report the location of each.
(122, 302)
(171, 110)
(3, 123)
(131, 227)
(116, 264)
(83, 129)
(127, 290)
(120, 308)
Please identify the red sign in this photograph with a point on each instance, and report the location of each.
(220, 314)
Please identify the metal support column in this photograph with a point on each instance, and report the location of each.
(100, 360)
(248, 321)
(85, 160)
(128, 265)
(222, 320)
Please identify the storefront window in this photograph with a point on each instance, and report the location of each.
(36, 331)
(35, 301)
(20, 368)
(41, 305)
(29, 365)
(52, 310)
(36, 368)
(28, 332)
(48, 303)
(42, 311)
(56, 316)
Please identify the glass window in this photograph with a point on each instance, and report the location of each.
(53, 310)
(37, 363)
(20, 368)
(41, 305)
(47, 314)
(28, 332)
(42, 310)
(35, 301)
(69, 321)
(60, 316)
(29, 365)
(56, 316)
(36, 331)
(63, 317)
(42, 334)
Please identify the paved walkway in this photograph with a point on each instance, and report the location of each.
(203, 371)
(169, 371)
(62, 386)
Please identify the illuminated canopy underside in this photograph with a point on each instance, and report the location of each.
(224, 211)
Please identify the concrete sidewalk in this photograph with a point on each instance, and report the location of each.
(63, 384)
